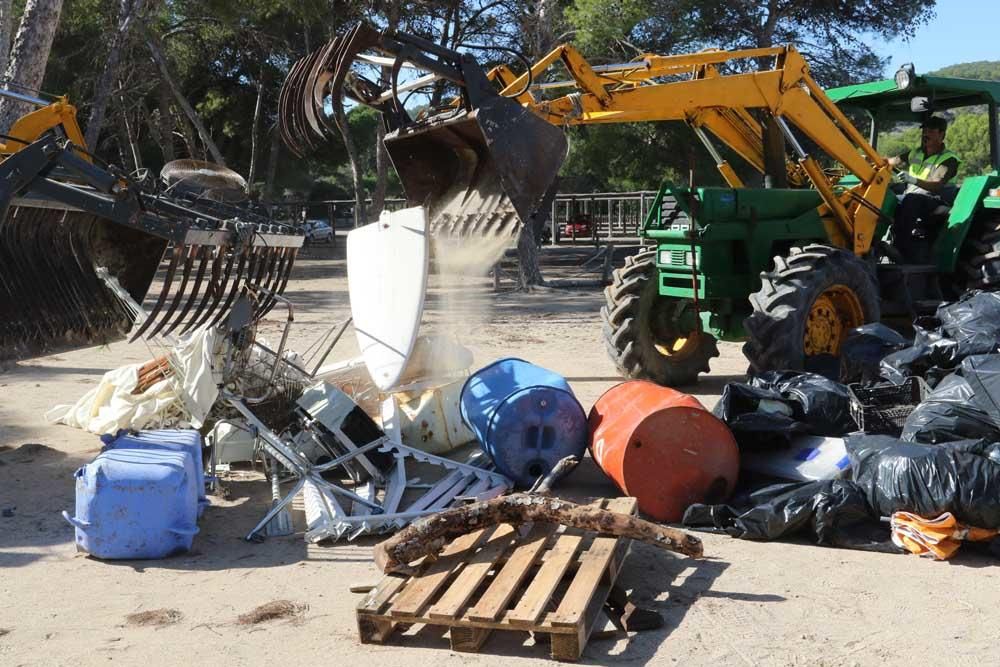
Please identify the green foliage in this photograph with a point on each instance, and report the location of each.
(981, 70)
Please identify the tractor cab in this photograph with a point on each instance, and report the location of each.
(970, 204)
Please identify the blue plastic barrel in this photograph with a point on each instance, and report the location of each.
(524, 416)
(135, 503)
(179, 440)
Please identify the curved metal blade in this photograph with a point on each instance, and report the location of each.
(175, 256)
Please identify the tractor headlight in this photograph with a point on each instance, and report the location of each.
(905, 76)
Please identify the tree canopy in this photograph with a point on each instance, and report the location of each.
(225, 55)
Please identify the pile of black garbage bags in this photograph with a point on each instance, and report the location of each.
(944, 458)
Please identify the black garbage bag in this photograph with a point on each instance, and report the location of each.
(982, 372)
(964, 405)
(973, 322)
(776, 406)
(947, 414)
(959, 477)
(834, 512)
(822, 404)
(759, 418)
(932, 355)
(863, 351)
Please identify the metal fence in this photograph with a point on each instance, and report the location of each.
(612, 215)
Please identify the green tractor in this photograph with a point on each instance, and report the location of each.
(759, 265)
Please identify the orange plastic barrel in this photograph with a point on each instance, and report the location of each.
(662, 447)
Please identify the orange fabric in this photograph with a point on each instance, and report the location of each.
(937, 538)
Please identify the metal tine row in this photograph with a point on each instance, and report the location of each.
(230, 272)
(49, 292)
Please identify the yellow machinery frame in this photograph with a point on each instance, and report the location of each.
(709, 101)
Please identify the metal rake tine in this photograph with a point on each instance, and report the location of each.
(276, 278)
(284, 279)
(236, 283)
(160, 300)
(203, 253)
(185, 276)
(218, 289)
(276, 257)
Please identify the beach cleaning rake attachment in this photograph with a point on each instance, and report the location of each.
(481, 164)
(62, 218)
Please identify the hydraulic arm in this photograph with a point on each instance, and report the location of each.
(722, 95)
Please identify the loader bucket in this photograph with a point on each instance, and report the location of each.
(483, 173)
(480, 168)
(50, 295)
(78, 256)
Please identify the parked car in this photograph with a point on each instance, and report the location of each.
(317, 231)
(579, 226)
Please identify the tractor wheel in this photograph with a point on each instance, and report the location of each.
(979, 261)
(650, 337)
(807, 305)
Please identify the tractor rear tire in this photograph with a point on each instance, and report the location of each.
(806, 306)
(641, 334)
(979, 260)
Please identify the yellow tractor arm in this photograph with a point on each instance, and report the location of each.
(59, 116)
(720, 103)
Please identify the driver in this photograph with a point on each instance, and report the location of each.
(929, 169)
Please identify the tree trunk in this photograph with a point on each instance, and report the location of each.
(272, 163)
(30, 55)
(529, 272)
(127, 14)
(166, 121)
(381, 155)
(156, 52)
(153, 124)
(381, 172)
(352, 155)
(254, 131)
(539, 35)
(427, 536)
(179, 121)
(6, 25)
(125, 135)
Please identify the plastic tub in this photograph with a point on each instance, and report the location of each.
(135, 503)
(180, 440)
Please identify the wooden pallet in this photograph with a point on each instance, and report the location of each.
(552, 581)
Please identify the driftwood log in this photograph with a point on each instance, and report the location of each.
(428, 536)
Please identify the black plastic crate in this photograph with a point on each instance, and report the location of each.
(883, 409)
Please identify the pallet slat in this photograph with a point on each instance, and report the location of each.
(421, 589)
(467, 581)
(505, 584)
(543, 586)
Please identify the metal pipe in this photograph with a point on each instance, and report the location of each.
(329, 348)
(21, 97)
(419, 82)
(284, 334)
(785, 130)
(382, 61)
(708, 145)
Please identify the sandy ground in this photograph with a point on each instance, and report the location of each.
(746, 604)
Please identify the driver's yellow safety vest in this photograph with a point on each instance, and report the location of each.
(922, 165)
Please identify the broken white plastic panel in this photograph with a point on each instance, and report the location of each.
(387, 265)
(808, 458)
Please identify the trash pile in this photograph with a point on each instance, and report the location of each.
(902, 455)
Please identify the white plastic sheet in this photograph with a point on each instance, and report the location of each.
(185, 397)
